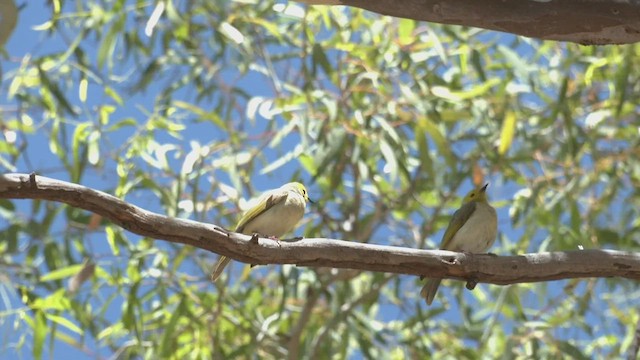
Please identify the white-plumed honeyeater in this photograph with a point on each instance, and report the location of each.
(275, 213)
(473, 229)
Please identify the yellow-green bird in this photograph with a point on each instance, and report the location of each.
(276, 213)
(472, 229)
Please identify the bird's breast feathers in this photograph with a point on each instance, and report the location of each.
(478, 233)
(279, 219)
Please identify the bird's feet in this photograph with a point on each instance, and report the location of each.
(277, 240)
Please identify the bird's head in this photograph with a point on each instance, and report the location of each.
(478, 194)
(298, 188)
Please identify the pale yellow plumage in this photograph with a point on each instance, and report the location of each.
(473, 228)
(276, 213)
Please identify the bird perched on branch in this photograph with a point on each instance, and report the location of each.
(472, 229)
(275, 213)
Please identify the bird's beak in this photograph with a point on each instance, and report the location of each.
(311, 201)
(484, 188)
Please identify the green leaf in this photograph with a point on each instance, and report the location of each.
(169, 332)
(390, 157)
(622, 80)
(61, 273)
(65, 323)
(113, 331)
(93, 148)
(112, 239)
(405, 31)
(108, 44)
(112, 93)
(55, 301)
(105, 111)
(122, 124)
(204, 114)
(54, 89)
(507, 132)
(8, 148)
(271, 27)
(572, 351)
(320, 58)
(473, 92)
(438, 138)
(423, 150)
(9, 237)
(82, 89)
(281, 161)
(40, 331)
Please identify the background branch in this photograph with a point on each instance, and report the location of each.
(588, 22)
(328, 252)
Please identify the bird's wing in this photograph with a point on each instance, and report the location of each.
(459, 218)
(272, 198)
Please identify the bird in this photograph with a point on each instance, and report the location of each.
(275, 213)
(472, 229)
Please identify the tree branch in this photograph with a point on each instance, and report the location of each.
(328, 252)
(9, 16)
(588, 22)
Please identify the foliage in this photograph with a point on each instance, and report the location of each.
(387, 120)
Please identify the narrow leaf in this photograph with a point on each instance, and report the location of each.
(508, 130)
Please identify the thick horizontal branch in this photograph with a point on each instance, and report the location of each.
(328, 252)
(588, 22)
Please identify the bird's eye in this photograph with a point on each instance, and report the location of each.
(472, 195)
(304, 192)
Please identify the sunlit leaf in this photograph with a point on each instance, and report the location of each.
(61, 273)
(65, 322)
(475, 91)
(82, 90)
(507, 133)
(40, 331)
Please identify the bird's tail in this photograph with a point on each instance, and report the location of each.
(217, 270)
(430, 289)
